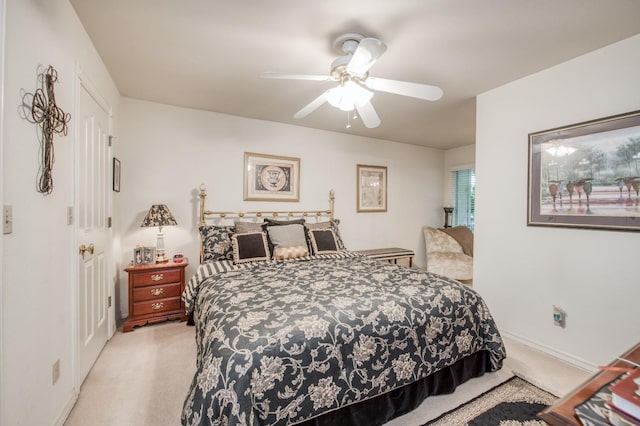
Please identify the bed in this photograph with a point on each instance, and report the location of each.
(326, 337)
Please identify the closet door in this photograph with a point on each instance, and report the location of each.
(93, 230)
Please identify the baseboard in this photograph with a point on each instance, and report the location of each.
(66, 410)
(568, 358)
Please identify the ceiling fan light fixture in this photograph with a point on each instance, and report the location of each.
(355, 86)
(348, 95)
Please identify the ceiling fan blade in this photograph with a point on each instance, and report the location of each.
(368, 115)
(285, 76)
(311, 106)
(405, 88)
(367, 53)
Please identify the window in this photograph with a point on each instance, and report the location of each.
(463, 197)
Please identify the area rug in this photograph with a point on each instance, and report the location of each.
(514, 402)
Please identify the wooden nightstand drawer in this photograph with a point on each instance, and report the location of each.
(156, 277)
(156, 306)
(153, 292)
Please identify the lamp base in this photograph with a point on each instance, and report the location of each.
(161, 258)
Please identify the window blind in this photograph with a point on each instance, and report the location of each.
(463, 196)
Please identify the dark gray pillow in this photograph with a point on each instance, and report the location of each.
(251, 247)
(330, 224)
(271, 222)
(323, 241)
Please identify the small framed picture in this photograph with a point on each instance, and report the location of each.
(372, 188)
(149, 255)
(138, 256)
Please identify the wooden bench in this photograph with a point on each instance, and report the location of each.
(391, 254)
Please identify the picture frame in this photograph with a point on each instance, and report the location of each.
(149, 255)
(138, 256)
(371, 188)
(116, 175)
(271, 178)
(586, 175)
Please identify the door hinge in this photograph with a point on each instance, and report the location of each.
(110, 140)
(109, 302)
(109, 222)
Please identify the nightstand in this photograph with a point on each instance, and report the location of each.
(155, 292)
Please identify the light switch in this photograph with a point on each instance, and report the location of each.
(7, 219)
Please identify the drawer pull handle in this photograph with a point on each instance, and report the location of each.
(157, 291)
(156, 306)
(157, 277)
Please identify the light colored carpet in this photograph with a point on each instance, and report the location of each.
(141, 379)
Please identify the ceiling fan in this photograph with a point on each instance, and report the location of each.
(356, 86)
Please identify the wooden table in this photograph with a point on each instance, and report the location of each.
(563, 411)
(391, 254)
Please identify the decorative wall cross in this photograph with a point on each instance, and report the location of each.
(53, 120)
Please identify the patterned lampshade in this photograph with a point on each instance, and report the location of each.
(158, 215)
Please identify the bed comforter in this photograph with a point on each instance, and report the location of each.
(282, 342)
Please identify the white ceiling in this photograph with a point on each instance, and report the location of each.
(208, 54)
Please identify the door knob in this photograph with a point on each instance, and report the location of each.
(84, 249)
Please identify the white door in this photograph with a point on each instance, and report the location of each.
(93, 230)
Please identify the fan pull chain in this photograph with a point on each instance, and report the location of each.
(348, 120)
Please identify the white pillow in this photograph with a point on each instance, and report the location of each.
(287, 236)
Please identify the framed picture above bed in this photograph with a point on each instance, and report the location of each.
(586, 175)
(372, 188)
(271, 178)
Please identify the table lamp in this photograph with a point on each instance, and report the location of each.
(159, 215)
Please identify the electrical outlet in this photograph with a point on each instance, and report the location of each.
(55, 371)
(559, 316)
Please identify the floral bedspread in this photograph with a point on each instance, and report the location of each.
(282, 342)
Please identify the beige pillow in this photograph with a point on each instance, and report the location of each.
(248, 227)
(292, 252)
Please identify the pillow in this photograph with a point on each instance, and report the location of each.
(287, 236)
(464, 237)
(331, 224)
(323, 241)
(292, 252)
(216, 243)
(276, 222)
(248, 227)
(250, 247)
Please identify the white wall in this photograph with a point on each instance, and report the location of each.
(522, 271)
(168, 151)
(38, 304)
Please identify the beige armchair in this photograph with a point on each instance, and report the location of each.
(450, 252)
